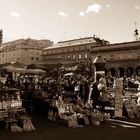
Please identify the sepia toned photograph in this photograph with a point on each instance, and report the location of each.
(69, 69)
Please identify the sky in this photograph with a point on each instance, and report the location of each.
(60, 20)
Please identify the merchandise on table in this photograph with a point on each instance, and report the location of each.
(75, 114)
(12, 112)
(131, 108)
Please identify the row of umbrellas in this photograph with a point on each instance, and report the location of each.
(16, 68)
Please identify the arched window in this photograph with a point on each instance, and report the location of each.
(113, 72)
(121, 72)
(129, 72)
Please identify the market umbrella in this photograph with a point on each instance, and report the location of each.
(10, 68)
(35, 71)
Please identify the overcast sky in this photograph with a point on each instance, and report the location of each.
(59, 20)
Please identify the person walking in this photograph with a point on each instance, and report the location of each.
(104, 95)
(94, 95)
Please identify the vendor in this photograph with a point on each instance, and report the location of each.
(10, 83)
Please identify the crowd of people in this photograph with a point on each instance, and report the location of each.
(72, 96)
(74, 85)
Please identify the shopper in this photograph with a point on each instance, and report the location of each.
(94, 95)
(10, 82)
(104, 95)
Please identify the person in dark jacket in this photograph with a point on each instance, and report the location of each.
(94, 95)
(10, 82)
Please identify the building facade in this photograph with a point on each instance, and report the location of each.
(122, 59)
(26, 51)
(71, 51)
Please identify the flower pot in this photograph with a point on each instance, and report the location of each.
(96, 122)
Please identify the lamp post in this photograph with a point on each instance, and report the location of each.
(99, 67)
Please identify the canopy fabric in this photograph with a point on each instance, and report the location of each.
(23, 70)
(14, 64)
(35, 71)
(18, 65)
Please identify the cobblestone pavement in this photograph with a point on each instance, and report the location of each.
(46, 130)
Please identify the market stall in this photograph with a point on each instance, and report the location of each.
(73, 113)
(12, 113)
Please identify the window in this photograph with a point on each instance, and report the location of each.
(68, 57)
(37, 58)
(82, 48)
(71, 49)
(80, 56)
(76, 48)
(58, 51)
(74, 56)
(86, 56)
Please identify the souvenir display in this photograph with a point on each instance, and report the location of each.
(131, 108)
(128, 108)
(11, 111)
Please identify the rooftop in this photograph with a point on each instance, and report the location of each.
(118, 46)
(74, 42)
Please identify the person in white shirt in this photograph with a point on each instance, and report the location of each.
(104, 95)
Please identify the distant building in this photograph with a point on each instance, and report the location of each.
(71, 51)
(26, 51)
(122, 59)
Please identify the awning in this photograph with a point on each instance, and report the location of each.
(23, 70)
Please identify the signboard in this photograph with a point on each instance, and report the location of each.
(118, 97)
